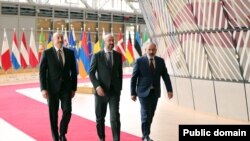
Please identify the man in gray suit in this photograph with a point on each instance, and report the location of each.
(106, 76)
(58, 81)
(145, 83)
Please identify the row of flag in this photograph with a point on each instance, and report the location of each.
(19, 57)
(25, 55)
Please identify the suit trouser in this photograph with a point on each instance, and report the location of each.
(148, 107)
(101, 109)
(53, 102)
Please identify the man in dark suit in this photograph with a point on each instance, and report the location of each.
(145, 83)
(58, 82)
(106, 76)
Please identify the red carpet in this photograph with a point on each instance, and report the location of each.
(31, 117)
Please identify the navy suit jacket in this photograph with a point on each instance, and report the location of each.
(142, 79)
(101, 75)
(53, 74)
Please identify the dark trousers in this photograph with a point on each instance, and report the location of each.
(113, 99)
(148, 107)
(53, 102)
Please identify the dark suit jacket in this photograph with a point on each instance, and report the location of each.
(101, 75)
(142, 79)
(53, 74)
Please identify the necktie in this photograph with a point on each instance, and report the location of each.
(60, 57)
(151, 65)
(109, 59)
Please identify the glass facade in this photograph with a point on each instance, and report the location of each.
(203, 39)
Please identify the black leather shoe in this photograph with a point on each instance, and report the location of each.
(63, 138)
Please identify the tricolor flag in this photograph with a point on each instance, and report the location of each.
(65, 38)
(97, 44)
(83, 62)
(24, 55)
(129, 51)
(145, 39)
(121, 48)
(5, 54)
(15, 55)
(137, 44)
(42, 45)
(33, 56)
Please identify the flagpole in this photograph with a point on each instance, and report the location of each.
(62, 27)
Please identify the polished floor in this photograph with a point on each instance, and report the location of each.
(164, 128)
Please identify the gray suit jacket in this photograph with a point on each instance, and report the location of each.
(101, 75)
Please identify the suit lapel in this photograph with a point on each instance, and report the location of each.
(65, 57)
(103, 57)
(114, 59)
(156, 63)
(56, 57)
(146, 62)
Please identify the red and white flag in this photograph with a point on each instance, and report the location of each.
(33, 56)
(65, 38)
(24, 52)
(121, 48)
(5, 53)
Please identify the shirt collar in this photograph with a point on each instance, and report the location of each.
(58, 48)
(150, 57)
(106, 51)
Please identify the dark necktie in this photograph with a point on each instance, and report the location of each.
(151, 65)
(109, 59)
(60, 57)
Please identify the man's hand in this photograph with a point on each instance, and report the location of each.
(45, 94)
(133, 97)
(100, 91)
(170, 95)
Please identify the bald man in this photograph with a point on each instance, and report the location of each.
(58, 83)
(106, 76)
(145, 84)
